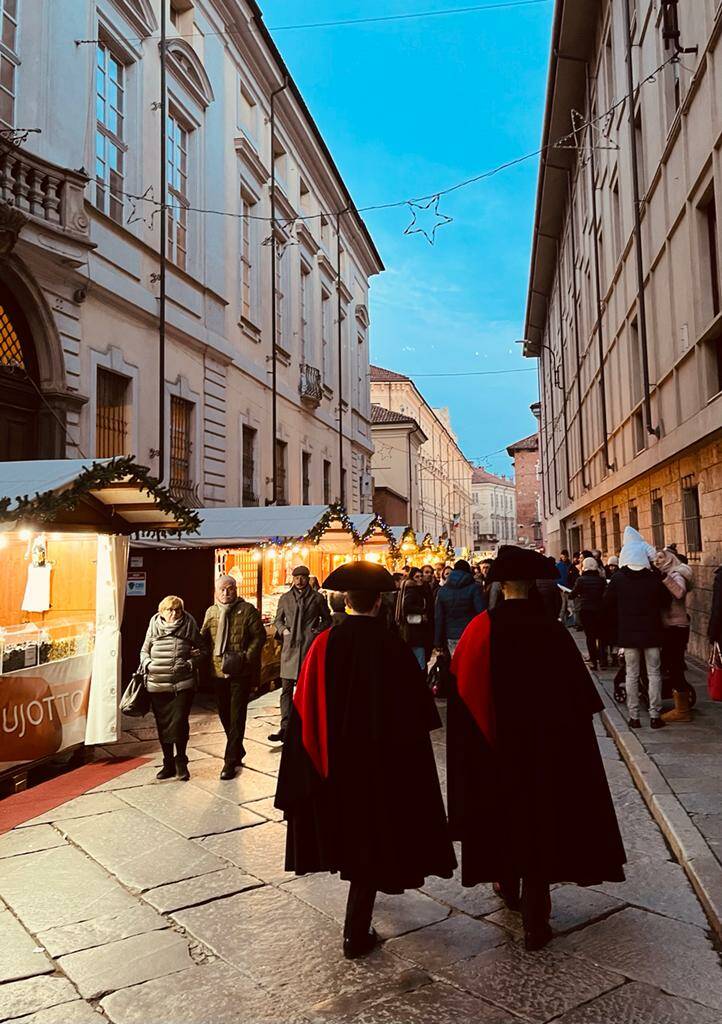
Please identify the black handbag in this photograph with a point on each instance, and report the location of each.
(135, 701)
(440, 677)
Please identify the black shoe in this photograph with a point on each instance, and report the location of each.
(656, 723)
(166, 772)
(537, 939)
(277, 737)
(512, 901)
(181, 769)
(634, 723)
(354, 949)
(228, 772)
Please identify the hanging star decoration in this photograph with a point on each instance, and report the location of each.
(417, 228)
(598, 138)
(284, 239)
(134, 203)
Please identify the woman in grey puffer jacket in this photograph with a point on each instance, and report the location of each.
(169, 657)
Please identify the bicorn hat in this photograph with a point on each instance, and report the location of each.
(360, 576)
(514, 563)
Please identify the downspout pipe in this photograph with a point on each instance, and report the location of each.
(570, 493)
(575, 302)
(545, 438)
(598, 287)
(163, 243)
(411, 492)
(274, 298)
(341, 488)
(641, 303)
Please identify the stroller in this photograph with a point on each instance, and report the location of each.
(620, 689)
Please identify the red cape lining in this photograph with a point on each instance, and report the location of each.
(471, 665)
(310, 703)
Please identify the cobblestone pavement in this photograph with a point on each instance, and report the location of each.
(167, 903)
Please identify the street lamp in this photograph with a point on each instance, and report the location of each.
(552, 353)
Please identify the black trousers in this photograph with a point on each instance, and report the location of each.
(596, 646)
(287, 687)
(674, 646)
(533, 894)
(359, 910)
(231, 696)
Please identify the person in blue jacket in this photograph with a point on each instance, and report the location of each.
(457, 603)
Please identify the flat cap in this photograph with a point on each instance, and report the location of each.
(301, 570)
(360, 576)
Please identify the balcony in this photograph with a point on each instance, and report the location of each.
(309, 386)
(31, 189)
(185, 491)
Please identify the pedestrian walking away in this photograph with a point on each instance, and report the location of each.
(457, 602)
(170, 657)
(678, 578)
(301, 615)
(234, 636)
(528, 796)
(358, 784)
(633, 605)
(589, 591)
(549, 593)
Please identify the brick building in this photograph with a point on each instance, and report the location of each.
(525, 454)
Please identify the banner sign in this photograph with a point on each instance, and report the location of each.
(44, 709)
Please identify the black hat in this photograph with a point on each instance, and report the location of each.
(301, 570)
(360, 576)
(513, 563)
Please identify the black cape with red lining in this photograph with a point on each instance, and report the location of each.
(527, 790)
(358, 783)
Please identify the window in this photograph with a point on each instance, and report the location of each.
(306, 200)
(326, 326)
(278, 289)
(281, 456)
(709, 213)
(639, 147)
(111, 415)
(593, 533)
(691, 516)
(247, 269)
(280, 162)
(326, 482)
(616, 531)
(8, 60)
(181, 15)
(609, 69)
(109, 145)
(177, 170)
(672, 90)
(617, 219)
(634, 516)
(247, 111)
(181, 444)
(603, 531)
(343, 486)
(305, 312)
(657, 520)
(306, 478)
(248, 495)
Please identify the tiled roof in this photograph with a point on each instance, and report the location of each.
(381, 415)
(480, 476)
(378, 373)
(527, 444)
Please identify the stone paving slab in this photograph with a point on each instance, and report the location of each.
(20, 956)
(190, 811)
(77, 1012)
(393, 915)
(126, 962)
(639, 1004)
(671, 955)
(266, 809)
(438, 1003)
(477, 901)
(140, 851)
(59, 887)
(572, 907)
(203, 889)
(286, 946)
(246, 786)
(29, 840)
(444, 943)
(71, 938)
(211, 994)
(260, 757)
(661, 886)
(536, 986)
(18, 998)
(81, 807)
(259, 851)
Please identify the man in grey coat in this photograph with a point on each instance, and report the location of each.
(302, 614)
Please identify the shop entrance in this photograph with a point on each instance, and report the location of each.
(19, 396)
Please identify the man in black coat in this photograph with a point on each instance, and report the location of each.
(589, 591)
(528, 797)
(358, 783)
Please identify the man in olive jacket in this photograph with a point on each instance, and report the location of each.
(233, 635)
(301, 615)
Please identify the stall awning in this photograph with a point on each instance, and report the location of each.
(107, 495)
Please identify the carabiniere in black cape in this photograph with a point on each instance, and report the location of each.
(358, 783)
(527, 790)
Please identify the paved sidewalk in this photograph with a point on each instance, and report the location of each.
(167, 903)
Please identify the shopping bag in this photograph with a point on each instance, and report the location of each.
(135, 701)
(440, 677)
(714, 675)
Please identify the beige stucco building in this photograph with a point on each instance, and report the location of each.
(397, 442)
(494, 510)
(631, 368)
(79, 268)
(444, 503)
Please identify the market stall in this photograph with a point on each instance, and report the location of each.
(64, 529)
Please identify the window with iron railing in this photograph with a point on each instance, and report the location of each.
(111, 414)
(657, 510)
(8, 60)
(249, 496)
(281, 455)
(634, 516)
(181, 444)
(178, 202)
(603, 532)
(326, 482)
(109, 145)
(306, 478)
(691, 516)
(616, 531)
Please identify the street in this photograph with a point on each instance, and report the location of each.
(167, 903)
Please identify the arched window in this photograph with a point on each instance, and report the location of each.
(11, 349)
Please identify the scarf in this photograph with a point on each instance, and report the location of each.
(298, 614)
(224, 610)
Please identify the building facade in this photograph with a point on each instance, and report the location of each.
(494, 510)
(397, 443)
(444, 473)
(79, 256)
(624, 310)
(527, 487)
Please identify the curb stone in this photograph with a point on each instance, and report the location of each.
(687, 842)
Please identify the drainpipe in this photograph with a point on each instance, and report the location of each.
(598, 288)
(411, 506)
(545, 435)
(163, 230)
(570, 495)
(274, 315)
(641, 304)
(341, 489)
(575, 298)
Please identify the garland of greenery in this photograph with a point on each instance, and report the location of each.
(379, 523)
(46, 507)
(335, 513)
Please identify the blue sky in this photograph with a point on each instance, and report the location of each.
(412, 107)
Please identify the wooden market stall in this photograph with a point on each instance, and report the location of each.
(64, 527)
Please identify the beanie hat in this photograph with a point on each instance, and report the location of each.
(590, 565)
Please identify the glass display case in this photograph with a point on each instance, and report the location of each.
(29, 644)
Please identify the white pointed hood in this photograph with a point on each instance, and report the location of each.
(636, 553)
